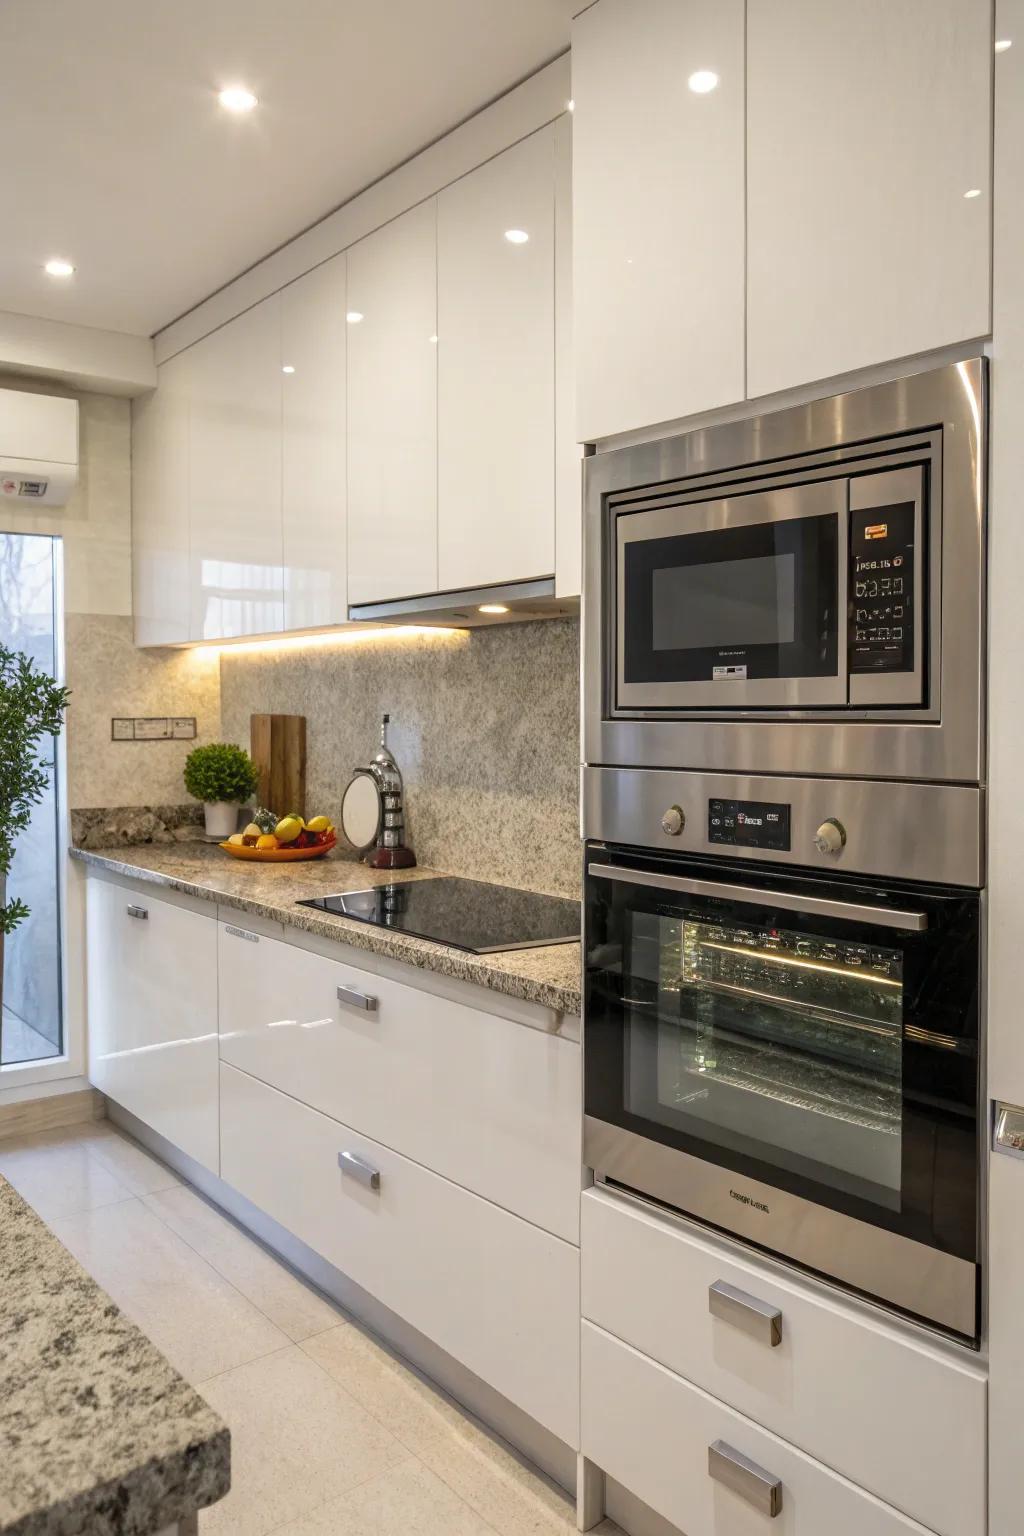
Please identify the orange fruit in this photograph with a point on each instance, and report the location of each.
(267, 840)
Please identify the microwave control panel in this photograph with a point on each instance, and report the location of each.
(749, 824)
(881, 589)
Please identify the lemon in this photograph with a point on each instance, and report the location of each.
(318, 824)
(237, 839)
(252, 830)
(266, 840)
(288, 830)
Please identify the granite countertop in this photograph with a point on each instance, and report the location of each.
(550, 976)
(98, 1433)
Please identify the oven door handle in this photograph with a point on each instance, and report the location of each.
(814, 906)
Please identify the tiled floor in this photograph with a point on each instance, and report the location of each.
(20, 1042)
(331, 1435)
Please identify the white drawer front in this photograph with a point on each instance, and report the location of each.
(651, 1431)
(152, 995)
(849, 1390)
(489, 1103)
(495, 1292)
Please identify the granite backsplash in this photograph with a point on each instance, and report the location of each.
(484, 724)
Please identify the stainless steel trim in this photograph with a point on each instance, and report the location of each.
(754, 895)
(241, 933)
(759, 1488)
(134, 911)
(909, 1275)
(523, 600)
(1008, 1130)
(357, 1168)
(937, 417)
(758, 1318)
(823, 498)
(926, 832)
(353, 998)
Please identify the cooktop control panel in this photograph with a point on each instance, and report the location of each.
(749, 824)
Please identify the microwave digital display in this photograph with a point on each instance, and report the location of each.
(881, 628)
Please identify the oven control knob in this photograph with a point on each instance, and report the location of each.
(830, 837)
(673, 821)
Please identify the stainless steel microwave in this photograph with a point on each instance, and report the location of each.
(819, 567)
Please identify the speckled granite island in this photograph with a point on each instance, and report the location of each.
(549, 976)
(99, 1435)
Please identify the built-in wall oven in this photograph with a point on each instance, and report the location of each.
(783, 804)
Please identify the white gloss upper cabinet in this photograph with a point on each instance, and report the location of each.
(160, 489)
(867, 125)
(313, 447)
(496, 369)
(658, 198)
(392, 409)
(235, 535)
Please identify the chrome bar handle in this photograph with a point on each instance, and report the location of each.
(241, 933)
(353, 998)
(755, 896)
(734, 1470)
(134, 911)
(355, 1168)
(758, 1318)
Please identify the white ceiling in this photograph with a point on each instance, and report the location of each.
(115, 153)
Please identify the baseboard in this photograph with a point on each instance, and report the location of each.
(523, 1435)
(47, 1114)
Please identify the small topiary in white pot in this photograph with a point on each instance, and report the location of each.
(223, 777)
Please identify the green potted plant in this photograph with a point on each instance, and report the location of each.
(223, 777)
(32, 709)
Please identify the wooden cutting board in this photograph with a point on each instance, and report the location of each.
(279, 752)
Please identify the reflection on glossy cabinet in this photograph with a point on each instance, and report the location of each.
(658, 197)
(152, 998)
(235, 477)
(160, 489)
(392, 409)
(867, 127)
(496, 369)
(313, 447)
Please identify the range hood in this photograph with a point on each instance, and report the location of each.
(38, 448)
(514, 602)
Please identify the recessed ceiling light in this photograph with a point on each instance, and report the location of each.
(287, 368)
(973, 192)
(58, 267)
(236, 98)
(353, 317)
(432, 339)
(702, 81)
(570, 105)
(1003, 44)
(492, 608)
(516, 236)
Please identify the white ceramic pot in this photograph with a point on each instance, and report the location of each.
(221, 818)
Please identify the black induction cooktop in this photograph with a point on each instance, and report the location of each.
(467, 914)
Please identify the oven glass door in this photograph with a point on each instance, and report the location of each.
(834, 1056)
(736, 603)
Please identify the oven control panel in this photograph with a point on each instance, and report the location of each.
(749, 824)
(881, 637)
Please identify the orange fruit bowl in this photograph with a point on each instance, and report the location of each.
(277, 855)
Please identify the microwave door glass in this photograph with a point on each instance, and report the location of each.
(775, 1044)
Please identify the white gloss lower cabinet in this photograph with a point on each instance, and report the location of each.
(652, 1431)
(392, 409)
(495, 1292)
(867, 127)
(486, 1101)
(160, 490)
(496, 369)
(313, 447)
(235, 531)
(152, 1000)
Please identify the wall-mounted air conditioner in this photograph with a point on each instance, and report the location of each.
(38, 449)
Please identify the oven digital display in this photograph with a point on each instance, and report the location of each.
(749, 824)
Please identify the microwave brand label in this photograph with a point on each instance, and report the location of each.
(729, 674)
(755, 1205)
